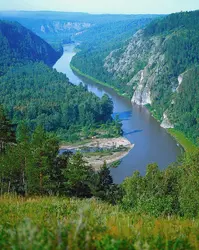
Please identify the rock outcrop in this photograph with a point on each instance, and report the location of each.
(166, 123)
(141, 66)
(142, 62)
(61, 26)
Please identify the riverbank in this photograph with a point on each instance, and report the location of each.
(98, 81)
(179, 136)
(106, 149)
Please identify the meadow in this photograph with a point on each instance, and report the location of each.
(71, 223)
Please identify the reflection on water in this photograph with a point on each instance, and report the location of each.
(152, 143)
(133, 132)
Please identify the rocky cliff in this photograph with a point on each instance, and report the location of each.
(159, 65)
(63, 26)
(143, 64)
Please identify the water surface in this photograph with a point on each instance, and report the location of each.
(152, 143)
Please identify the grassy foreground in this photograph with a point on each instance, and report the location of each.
(63, 223)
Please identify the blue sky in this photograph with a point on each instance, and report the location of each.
(103, 6)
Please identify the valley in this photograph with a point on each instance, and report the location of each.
(152, 143)
(99, 128)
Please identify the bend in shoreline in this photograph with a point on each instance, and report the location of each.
(176, 137)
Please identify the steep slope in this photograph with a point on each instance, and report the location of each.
(19, 45)
(157, 68)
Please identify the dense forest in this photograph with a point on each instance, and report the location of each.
(41, 96)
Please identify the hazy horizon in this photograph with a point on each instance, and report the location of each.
(103, 6)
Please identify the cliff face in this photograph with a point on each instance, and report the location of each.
(61, 26)
(142, 65)
(143, 62)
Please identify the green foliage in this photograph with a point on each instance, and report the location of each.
(109, 243)
(186, 143)
(184, 113)
(32, 165)
(179, 42)
(173, 22)
(60, 223)
(103, 186)
(42, 96)
(180, 39)
(171, 191)
(34, 93)
(7, 133)
(78, 175)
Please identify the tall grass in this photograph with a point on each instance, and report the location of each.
(64, 223)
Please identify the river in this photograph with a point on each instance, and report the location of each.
(152, 143)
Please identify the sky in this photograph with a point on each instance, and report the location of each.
(103, 6)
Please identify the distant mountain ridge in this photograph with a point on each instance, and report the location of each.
(56, 27)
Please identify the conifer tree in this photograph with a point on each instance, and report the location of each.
(7, 133)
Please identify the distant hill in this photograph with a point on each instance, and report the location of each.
(19, 45)
(56, 27)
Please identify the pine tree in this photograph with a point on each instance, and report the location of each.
(7, 133)
(78, 176)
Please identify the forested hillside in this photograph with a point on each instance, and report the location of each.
(158, 67)
(31, 91)
(19, 45)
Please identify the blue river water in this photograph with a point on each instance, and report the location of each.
(152, 143)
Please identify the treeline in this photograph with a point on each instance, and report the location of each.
(31, 165)
(173, 22)
(173, 191)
